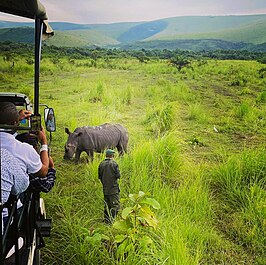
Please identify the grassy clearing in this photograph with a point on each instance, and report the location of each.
(210, 185)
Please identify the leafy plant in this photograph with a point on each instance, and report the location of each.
(135, 224)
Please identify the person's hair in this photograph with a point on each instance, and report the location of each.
(8, 113)
(28, 138)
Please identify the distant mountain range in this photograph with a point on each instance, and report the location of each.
(189, 33)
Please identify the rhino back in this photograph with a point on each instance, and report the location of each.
(98, 138)
(123, 133)
(104, 138)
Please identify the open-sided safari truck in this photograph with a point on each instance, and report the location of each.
(31, 223)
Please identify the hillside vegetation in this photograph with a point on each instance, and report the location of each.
(209, 24)
(248, 29)
(196, 151)
(251, 33)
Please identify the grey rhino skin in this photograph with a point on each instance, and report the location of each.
(95, 139)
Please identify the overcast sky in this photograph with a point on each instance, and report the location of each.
(110, 11)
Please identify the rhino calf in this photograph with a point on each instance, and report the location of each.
(95, 139)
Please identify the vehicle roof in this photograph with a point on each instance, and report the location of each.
(16, 98)
(24, 8)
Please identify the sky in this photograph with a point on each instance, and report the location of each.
(112, 11)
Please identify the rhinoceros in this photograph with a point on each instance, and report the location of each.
(95, 139)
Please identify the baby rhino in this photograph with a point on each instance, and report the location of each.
(95, 139)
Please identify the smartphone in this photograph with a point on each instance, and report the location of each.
(35, 122)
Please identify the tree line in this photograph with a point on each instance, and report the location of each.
(9, 50)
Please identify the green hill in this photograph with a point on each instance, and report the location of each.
(206, 24)
(252, 31)
(228, 30)
(93, 37)
(143, 31)
(79, 38)
(24, 34)
(114, 30)
(65, 40)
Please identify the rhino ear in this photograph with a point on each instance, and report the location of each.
(67, 131)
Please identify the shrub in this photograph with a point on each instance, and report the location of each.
(133, 228)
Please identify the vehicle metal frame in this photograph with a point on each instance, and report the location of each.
(31, 222)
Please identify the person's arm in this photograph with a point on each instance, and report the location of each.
(100, 172)
(51, 162)
(44, 184)
(43, 154)
(116, 170)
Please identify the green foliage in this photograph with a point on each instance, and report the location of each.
(262, 97)
(246, 91)
(97, 94)
(179, 62)
(262, 72)
(8, 57)
(239, 81)
(196, 111)
(126, 96)
(182, 57)
(133, 228)
(262, 60)
(242, 110)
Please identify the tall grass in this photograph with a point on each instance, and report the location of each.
(161, 120)
(212, 206)
(240, 189)
(197, 111)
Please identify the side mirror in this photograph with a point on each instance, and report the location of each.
(49, 119)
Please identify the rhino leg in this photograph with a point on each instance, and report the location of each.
(120, 149)
(90, 154)
(77, 155)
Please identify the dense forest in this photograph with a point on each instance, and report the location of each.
(10, 50)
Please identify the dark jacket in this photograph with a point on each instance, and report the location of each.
(109, 174)
(44, 184)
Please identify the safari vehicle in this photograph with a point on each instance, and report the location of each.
(31, 223)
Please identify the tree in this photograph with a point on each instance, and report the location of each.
(179, 62)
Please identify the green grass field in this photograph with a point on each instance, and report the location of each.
(196, 145)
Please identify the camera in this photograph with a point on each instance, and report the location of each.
(35, 122)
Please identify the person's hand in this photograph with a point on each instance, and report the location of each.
(42, 136)
(24, 114)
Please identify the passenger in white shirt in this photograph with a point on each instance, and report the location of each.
(13, 179)
(29, 160)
